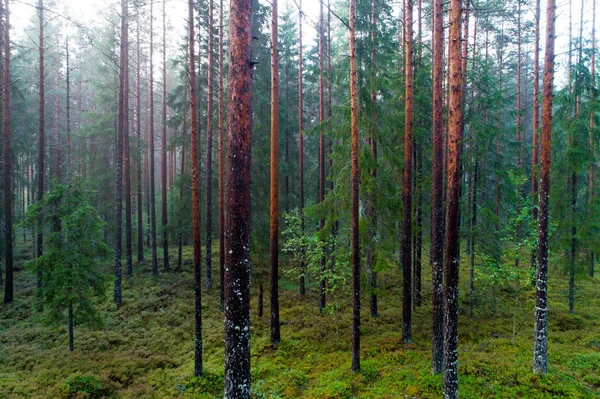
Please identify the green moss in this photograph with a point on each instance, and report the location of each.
(146, 348)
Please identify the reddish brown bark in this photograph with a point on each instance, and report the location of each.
(540, 348)
(354, 189)
(237, 235)
(455, 119)
(274, 193)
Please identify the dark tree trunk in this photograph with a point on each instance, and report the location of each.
(7, 167)
(195, 199)
(126, 155)
(455, 118)
(41, 139)
(301, 140)
(372, 215)
(209, 143)
(592, 123)
(274, 192)
(237, 241)
(122, 120)
(152, 154)
(260, 300)
(437, 214)
(323, 282)
(164, 208)
(221, 155)
(354, 189)
(138, 124)
(407, 177)
(540, 348)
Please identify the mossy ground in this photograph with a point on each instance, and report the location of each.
(145, 349)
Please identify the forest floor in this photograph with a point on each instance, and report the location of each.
(145, 349)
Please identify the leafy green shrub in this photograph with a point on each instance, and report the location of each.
(86, 386)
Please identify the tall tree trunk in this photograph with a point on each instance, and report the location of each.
(221, 152)
(126, 155)
(138, 127)
(195, 198)
(498, 158)
(536, 120)
(520, 158)
(57, 138)
(151, 155)
(41, 138)
(209, 142)
(540, 348)
(323, 282)
(455, 119)
(122, 120)
(592, 124)
(237, 242)
(472, 183)
(437, 190)
(407, 180)
(301, 141)
(418, 233)
(164, 208)
(372, 274)
(354, 189)
(274, 194)
(7, 167)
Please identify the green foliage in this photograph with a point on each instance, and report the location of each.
(86, 386)
(73, 253)
(323, 258)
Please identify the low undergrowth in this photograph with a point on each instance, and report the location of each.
(145, 349)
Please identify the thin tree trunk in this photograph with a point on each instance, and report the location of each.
(323, 282)
(209, 143)
(437, 214)
(592, 123)
(407, 180)
(41, 139)
(70, 317)
(57, 138)
(372, 274)
(221, 152)
(540, 348)
(354, 189)
(274, 194)
(237, 244)
(164, 209)
(195, 198)
(418, 233)
(123, 60)
(152, 153)
(7, 167)
(301, 141)
(138, 127)
(536, 121)
(126, 154)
